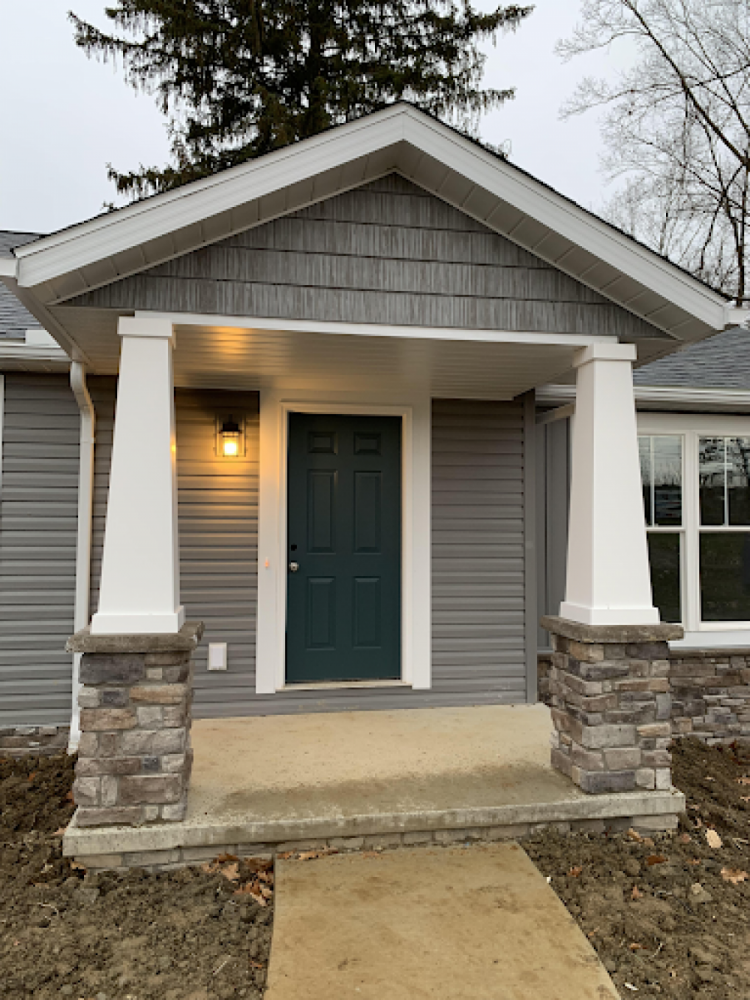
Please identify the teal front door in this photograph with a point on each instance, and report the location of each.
(344, 548)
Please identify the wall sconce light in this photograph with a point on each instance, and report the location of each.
(230, 438)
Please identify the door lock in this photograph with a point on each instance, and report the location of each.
(293, 567)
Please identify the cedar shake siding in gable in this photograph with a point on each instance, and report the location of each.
(478, 629)
(38, 530)
(388, 253)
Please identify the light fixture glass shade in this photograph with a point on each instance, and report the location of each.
(229, 435)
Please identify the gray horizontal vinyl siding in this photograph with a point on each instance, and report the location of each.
(553, 495)
(478, 569)
(38, 525)
(387, 252)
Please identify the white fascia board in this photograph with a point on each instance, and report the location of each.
(19, 351)
(136, 224)
(8, 267)
(661, 394)
(108, 235)
(569, 220)
(572, 340)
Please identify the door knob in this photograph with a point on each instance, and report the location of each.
(293, 567)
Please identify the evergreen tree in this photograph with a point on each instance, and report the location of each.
(238, 78)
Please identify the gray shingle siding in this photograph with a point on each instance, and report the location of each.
(387, 252)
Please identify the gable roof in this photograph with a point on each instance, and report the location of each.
(398, 139)
(15, 320)
(719, 362)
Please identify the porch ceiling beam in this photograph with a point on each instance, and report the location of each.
(545, 339)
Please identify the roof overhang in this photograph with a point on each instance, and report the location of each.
(398, 138)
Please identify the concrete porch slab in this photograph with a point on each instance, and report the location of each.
(479, 924)
(270, 782)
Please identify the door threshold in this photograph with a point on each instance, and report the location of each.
(339, 685)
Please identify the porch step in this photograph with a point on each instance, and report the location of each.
(166, 845)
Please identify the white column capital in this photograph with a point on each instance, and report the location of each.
(146, 326)
(605, 352)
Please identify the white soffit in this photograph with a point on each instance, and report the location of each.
(399, 138)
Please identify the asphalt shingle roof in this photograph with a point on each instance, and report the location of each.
(15, 320)
(719, 362)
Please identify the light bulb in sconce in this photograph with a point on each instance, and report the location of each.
(229, 436)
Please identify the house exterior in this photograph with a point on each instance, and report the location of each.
(344, 374)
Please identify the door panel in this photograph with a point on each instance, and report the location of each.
(344, 539)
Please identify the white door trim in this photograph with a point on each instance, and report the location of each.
(416, 617)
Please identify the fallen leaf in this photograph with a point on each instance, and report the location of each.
(708, 777)
(575, 871)
(685, 838)
(733, 875)
(31, 776)
(60, 832)
(634, 835)
(713, 839)
(223, 858)
(310, 855)
(636, 947)
(285, 855)
(69, 796)
(248, 890)
(629, 986)
(656, 859)
(636, 893)
(743, 781)
(256, 965)
(744, 798)
(694, 861)
(231, 872)
(77, 866)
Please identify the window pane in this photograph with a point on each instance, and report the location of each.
(667, 472)
(725, 577)
(711, 473)
(738, 491)
(664, 558)
(644, 451)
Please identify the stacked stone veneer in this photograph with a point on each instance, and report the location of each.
(33, 741)
(711, 694)
(134, 755)
(611, 705)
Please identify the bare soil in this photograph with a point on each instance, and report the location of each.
(193, 934)
(668, 915)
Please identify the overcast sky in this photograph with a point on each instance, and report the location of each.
(65, 117)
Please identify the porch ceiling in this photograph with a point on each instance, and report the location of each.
(240, 358)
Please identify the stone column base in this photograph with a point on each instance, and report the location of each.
(134, 755)
(611, 704)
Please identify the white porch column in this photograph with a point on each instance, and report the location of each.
(608, 580)
(140, 585)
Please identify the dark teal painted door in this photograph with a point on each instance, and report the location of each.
(344, 548)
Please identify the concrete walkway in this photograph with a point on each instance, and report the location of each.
(479, 923)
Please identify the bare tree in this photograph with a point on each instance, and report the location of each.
(676, 127)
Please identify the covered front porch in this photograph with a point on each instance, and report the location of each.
(354, 780)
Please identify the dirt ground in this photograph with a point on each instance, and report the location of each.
(192, 934)
(668, 915)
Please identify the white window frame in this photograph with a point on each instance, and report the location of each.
(691, 427)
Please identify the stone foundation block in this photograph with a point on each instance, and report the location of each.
(134, 757)
(610, 733)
